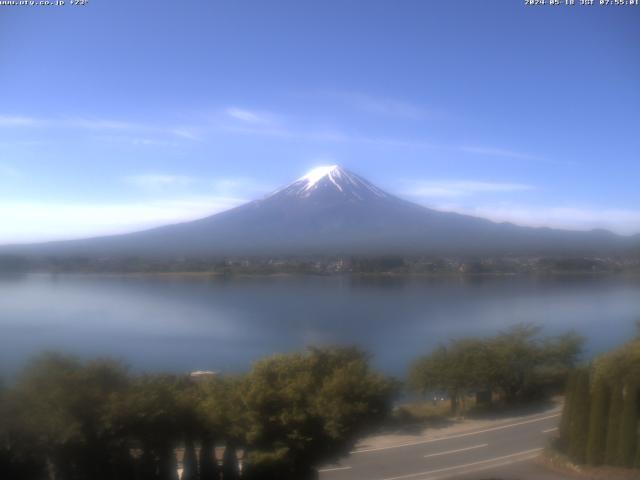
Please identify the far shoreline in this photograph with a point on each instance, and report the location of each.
(375, 275)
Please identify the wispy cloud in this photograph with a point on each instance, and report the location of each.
(460, 188)
(323, 136)
(248, 116)
(248, 187)
(498, 152)
(253, 122)
(97, 124)
(167, 198)
(622, 221)
(172, 184)
(379, 105)
(17, 121)
(41, 221)
(159, 181)
(136, 141)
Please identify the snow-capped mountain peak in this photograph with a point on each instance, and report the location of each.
(314, 176)
(332, 180)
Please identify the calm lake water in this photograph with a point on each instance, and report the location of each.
(184, 324)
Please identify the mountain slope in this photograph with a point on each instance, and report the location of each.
(332, 210)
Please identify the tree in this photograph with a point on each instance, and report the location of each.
(189, 462)
(208, 463)
(565, 420)
(65, 403)
(458, 368)
(516, 363)
(307, 409)
(431, 374)
(596, 446)
(147, 414)
(190, 422)
(621, 368)
(517, 353)
(628, 426)
(579, 426)
(224, 410)
(613, 425)
(230, 468)
(20, 450)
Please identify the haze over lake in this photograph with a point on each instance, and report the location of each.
(184, 324)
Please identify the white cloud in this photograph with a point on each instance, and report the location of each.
(460, 188)
(380, 106)
(622, 221)
(159, 181)
(166, 199)
(99, 124)
(42, 221)
(231, 120)
(248, 186)
(225, 186)
(190, 133)
(498, 152)
(17, 121)
(246, 115)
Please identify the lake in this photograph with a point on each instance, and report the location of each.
(189, 323)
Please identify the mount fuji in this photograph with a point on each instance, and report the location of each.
(331, 210)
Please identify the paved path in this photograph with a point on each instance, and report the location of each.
(503, 450)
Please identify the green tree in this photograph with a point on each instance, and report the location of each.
(517, 363)
(457, 369)
(230, 467)
(596, 446)
(208, 463)
(517, 353)
(147, 413)
(20, 450)
(559, 355)
(565, 420)
(579, 425)
(621, 368)
(65, 404)
(614, 424)
(307, 409)
(225, 412)
(628, 426)
(189, 462)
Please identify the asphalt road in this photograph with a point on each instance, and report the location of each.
(500, 448)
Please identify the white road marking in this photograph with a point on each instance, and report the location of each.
(334, 469)
(456, 451)
(526, 453)
(460, 435)
(477, 469)
(549, 430)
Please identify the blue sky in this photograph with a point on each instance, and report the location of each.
(122, 115)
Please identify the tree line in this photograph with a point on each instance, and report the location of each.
(600, 422)
(517, 365)
(67, 419)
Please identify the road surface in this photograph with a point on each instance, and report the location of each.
(498, 449)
